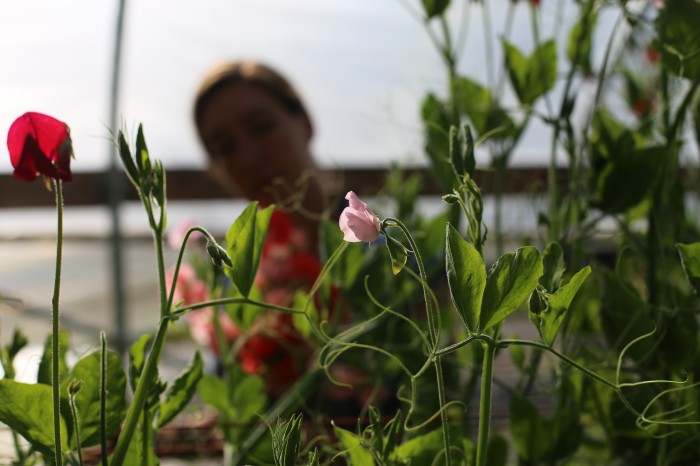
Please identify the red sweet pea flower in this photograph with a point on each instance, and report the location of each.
(40, 144)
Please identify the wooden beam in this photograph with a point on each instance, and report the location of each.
(91, 188)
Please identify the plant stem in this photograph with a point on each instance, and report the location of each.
(103, 398)
(485, 404)
(142, 388)
(55, 323)
(443, 413)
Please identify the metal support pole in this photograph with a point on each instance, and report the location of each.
(116, 194)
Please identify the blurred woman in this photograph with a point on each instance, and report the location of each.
(257, 133)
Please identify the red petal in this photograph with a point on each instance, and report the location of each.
(39, 143)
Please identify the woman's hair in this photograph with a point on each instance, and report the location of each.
(251, 72)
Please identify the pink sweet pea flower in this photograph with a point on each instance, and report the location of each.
(357, 222)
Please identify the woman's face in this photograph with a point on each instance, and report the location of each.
(255, 142)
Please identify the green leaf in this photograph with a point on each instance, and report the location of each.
(531, 76)
(466, 277)
(248, 396)
(26, 409)
(553, 267)
(690, 260)
(477, 102)
(679, 38)
(212, 390)
(87, 400)
(9, 351)
(141, 448)
(425, 448)
(180, 391)
(437, 120)
(397, 253)
(530, 437)
(626, 180)
(497, 451)
(435, 7)
(510, 281)
(300, 321)
(552, 318)
(626, 317)
(394, 433)
(580, 45)
(240, 401)
(244, 241)
(137, 358)
(354, 451)
(44, 374)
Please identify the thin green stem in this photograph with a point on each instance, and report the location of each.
(56, 327)
(145, 434)
(103, 398)
(443, 412)
(180, 311)
(180, 256)
(163, 294)
(433, 330)
(485, 404)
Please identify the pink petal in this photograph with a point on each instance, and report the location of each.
(357, 227)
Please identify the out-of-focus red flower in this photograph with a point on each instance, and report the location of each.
(535, 2)
(40, 144)
(653, 55)
(642, 106)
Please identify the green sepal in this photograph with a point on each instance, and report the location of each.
(398, 254)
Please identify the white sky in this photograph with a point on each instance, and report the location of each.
(362, 65)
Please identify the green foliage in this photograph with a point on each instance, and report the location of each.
(482, 300)
(137, 358)
(580, 44)
(9, 351)
(466, 277)
(679, 38)
(537, 439)
(353, 449)
(435, 7)
(548, 308)
(510, 281)
(25, 408)
(477, 103)
(44, 373)
(531, 76)
(285, 440)
(87, 400)
(626, 180)
(690, 259)
(181, 390)
(436, 117)
(244, 242)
